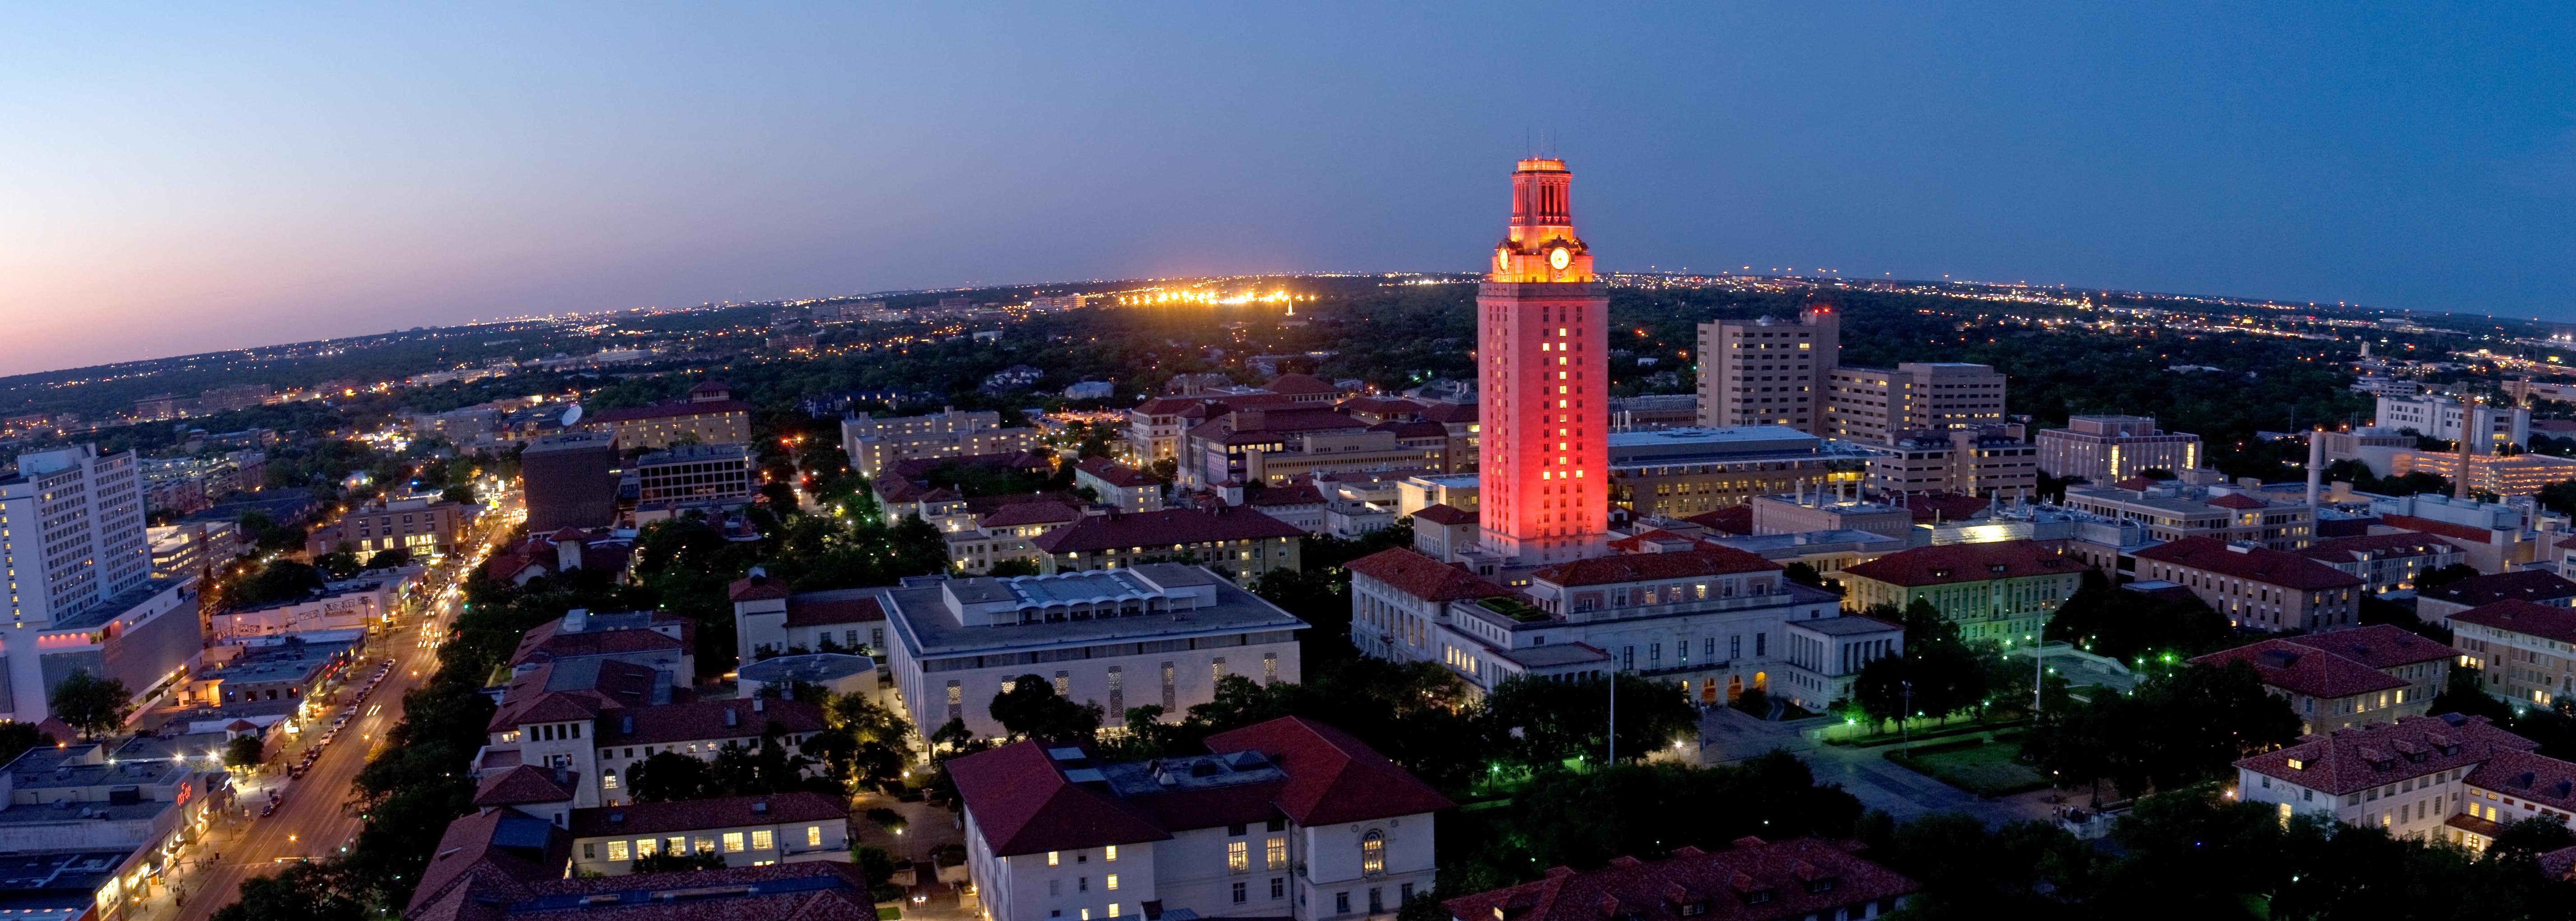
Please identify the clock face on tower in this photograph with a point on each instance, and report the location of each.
(1558, 257)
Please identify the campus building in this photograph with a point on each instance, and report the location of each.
(1769, 371)
(2108, 449)
(2002, 591)
(709, 415)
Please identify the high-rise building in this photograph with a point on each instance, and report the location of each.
(71, 532)
(1878, 405)
(570, 480)
(1541, 337)
(1769, 371)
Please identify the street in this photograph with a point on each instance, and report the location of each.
(313, 821)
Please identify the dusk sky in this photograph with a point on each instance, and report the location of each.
(183, 178)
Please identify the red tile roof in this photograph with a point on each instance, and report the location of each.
(670, 409)
(1641, 567)
(2480, 591)
(1166, 406)
(1794, 879)
(1445, 515)
(1020, 799)
(2519, 616)
(1299, 384)
(2353, 760)
(1947, 564)
(1024, 805)
(756, 588)
(705, 719)
(1164, 528)
(1282, 496)
(480, 852)
(1332, 777)
(1412, 430)
(2378, 645)
(807, 611)
(2239, 501)
(547, 641)
(2253, 564)
(2378, 547)
(1116, 475)
(1449, 413)
(1733, 519)
(2531, 778)
(525, 784)
(819, 890)
(696, 814)
(2302, 670)
(1028, 513)
(1423, 577)
(2443, 528)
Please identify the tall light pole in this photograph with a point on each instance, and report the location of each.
(2038, 672)
(1614, 721)
(1906, 692)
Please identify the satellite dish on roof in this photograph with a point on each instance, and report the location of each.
(572, 415)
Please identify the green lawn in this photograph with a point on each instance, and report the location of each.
(1986, 770)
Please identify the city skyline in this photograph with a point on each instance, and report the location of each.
(243, 181)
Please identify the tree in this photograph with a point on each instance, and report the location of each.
(1020, 566)
(2445, 576)
(302, 892)
(670, 777)
(243, 751)
(338, 564)
(2527, 839)
(2111, 621)
(16, 738)
(1540, 723)
(1805, 574)
(93, 705)
(668, 862)
(1029, 707)
(390, 559)
(2175, 729)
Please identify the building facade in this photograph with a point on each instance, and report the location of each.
(569, 480)
(425, 526)
(791, 827)
(1284, 819)
(2001, 592)
(2388, 562)
(2450, 778)
(709, 415)
(1160, 634)
(2524, 652)
(1879, 405)
(1769, 371)
(2108, 449)
(694, 472)
(2174, 511)
(876, 445)
(2346, 679)
(2254, 587)
(1235, 539)
(1542, 343)
(1980, 460)
(2485, 426)
(1677, 473)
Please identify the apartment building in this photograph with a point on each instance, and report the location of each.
(1286, 819)
(695, 472)
(1710, 620)
(1676, 473)
(1159, 633)
(2002, 591)
(2172, 511)
(1976, 460)
(81, 582)
(876, 445)
(709, 415)
(1879, 405)
(1769, 371)
(2255, 587)
(2108, 449)
(2525, 652)
(2345, 679)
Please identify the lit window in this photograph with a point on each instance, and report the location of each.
(1113, 882)
(1238, 856)
(733, 842)
(1051, 858)
(1276, 853)
(813, 836)
(761, 840)
(617, 850)
(1110, 853)
(645, 847)
(1373, 852)
(608, 779)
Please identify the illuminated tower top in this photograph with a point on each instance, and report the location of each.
(1542, 246)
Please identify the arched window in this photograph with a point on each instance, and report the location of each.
(1373, 853)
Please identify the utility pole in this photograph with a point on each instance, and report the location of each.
(2038, 672)
(1906, 692)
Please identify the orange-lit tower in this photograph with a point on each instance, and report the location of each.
(1541, 340)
